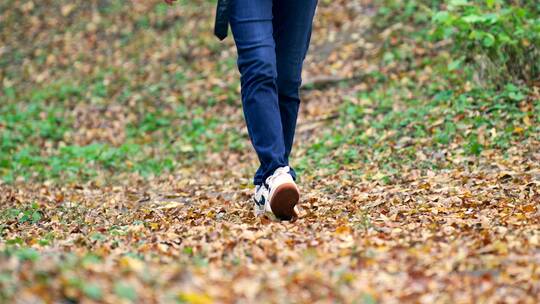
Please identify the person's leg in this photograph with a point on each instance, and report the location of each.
(251, 24)
(292, 32)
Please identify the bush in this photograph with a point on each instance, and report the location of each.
(499, 39)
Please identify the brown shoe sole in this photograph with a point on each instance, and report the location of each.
(283, 201)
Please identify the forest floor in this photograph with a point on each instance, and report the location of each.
(126, 166)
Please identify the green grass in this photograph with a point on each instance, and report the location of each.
(390, 123)
(33, 143)
(37, 127)
(385, 125)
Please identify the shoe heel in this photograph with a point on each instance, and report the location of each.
(283, 201)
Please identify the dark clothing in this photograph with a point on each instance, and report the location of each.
(222, 19)
(272, 39)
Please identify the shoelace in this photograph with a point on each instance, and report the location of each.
(279, 171)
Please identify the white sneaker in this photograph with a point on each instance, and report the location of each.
(261, 200)
(283, 194)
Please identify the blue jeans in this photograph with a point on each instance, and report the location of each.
(272, 39)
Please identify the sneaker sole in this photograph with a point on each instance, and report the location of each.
(283, 201)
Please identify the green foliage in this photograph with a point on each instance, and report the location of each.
(494, 41)
(499, 39)
(125, 291)
(30, 214)
(147, 149)
(394, 123)
(27, 254)
(93, 291)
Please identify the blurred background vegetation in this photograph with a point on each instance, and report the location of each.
(101, 89)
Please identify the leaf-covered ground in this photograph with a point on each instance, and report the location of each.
(470, 234)
(126, 167)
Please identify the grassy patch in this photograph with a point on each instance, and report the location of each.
(399, 124)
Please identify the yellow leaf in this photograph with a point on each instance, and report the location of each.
(169, 205)
(527, 121)
(501, 247)
(130, 263)
(343, 229)
(195, 298)
(67, 9)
